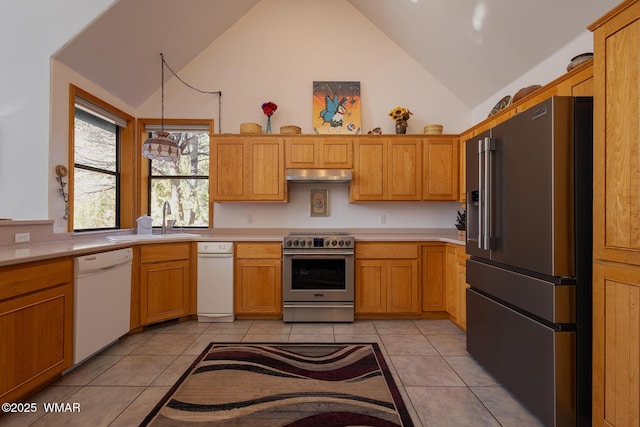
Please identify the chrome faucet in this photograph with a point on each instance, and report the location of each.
(166, 209)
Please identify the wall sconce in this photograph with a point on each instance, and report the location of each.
(62, 171)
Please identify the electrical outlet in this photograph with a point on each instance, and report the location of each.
(23, 237)
(383, 219)
(250, 218)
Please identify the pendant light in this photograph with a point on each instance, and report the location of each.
(161, 145)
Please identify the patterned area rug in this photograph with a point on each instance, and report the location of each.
(262, 385)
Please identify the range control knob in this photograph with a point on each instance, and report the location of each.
(334, 242)
(295, 243)
(341, 243)
(287, 243)
(327, 242)
(303, 242)
(309, 243)
(348, 242)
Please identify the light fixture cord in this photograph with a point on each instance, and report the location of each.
(162, 92)
(219, 93)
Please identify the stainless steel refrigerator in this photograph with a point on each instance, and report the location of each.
(529, 219)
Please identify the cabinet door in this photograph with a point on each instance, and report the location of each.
(462, 288)
(258, 286)
(370, 292)
(616, 143)
(405, 169)
(369, 170)
(462, 165)
(230, 169)
(36, 340)
(301, 153)
(616, 343)
(265, 176)
(402, 286)
(440, 169)
(452, 284)
(433, 278)
(336, 153)
(164, 291)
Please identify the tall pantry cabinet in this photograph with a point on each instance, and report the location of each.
(616, 233)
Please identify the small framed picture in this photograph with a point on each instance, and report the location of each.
(319, 205)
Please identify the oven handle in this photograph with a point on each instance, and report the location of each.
(318, 305)
(320, 253)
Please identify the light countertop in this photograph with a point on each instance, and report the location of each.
(78, 245)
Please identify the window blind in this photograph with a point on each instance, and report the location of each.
(97, 110)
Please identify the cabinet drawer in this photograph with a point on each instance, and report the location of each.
(387, 250)
(19, 280)
(259, 250)
(164, 252)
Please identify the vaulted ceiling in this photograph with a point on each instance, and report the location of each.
(473, 47)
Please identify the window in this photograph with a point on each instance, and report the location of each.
(101, 176)
(185, 184)
(96, 180)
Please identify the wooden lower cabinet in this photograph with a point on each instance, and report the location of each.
(387, 278)
(451, 283)
(462, 286)
(166, 291)
(433, 277)
(258, 279)
(36, 326)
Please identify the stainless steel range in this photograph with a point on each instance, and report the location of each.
(318, 278)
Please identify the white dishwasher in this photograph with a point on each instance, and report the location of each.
(215, 282)
(102, 305)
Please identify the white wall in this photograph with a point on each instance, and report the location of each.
(61, 77)
(543, 73)
(30, 32)
(274, 53)
(277, 50)
(342, 214)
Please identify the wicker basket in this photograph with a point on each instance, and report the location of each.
(250, 128)
(290, 130)
(433, 129)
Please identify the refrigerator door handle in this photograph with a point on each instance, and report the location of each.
(489, 147)
(480, 194)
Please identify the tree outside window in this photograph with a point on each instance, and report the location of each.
(184, 184)
(96, 172)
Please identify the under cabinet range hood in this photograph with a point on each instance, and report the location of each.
(318, 175)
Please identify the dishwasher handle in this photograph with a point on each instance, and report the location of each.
(90, 271)
(215, 255)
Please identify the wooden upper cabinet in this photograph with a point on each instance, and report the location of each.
(462, 165)
(617, 136)
(387, 169)
(405, 168)
(440, 166)
(319, 153)
(266, 175)
(228, 158)
(369, 169)
(249, 169)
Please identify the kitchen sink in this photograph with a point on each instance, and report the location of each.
(150, 237)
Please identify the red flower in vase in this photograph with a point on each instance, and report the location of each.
(269, 108)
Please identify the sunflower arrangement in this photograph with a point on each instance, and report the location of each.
(400, 114)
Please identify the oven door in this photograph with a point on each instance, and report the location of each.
(309, 276)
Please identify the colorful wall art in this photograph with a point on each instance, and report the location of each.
(336, 108)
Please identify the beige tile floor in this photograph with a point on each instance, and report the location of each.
(441, 383)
